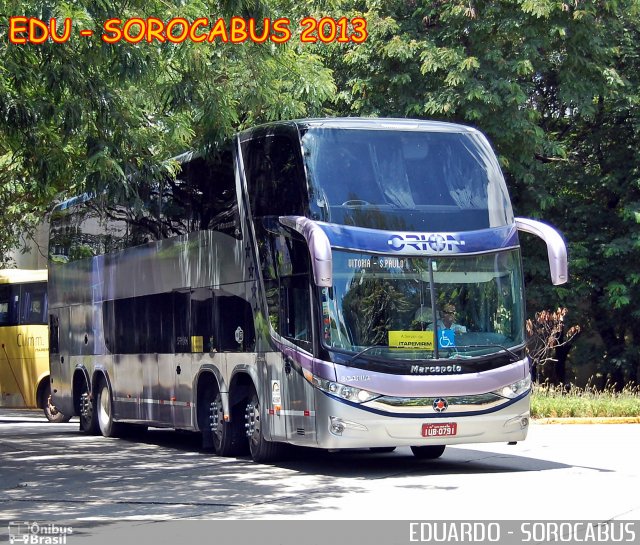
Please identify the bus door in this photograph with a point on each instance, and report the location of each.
(286, 273)
(11, 384)
(59, 364)
(296, 327)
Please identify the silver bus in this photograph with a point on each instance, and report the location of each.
(330, 283)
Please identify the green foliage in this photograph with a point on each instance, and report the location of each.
(86, 114)
(371, 306)
(550, 401)
(554, 85)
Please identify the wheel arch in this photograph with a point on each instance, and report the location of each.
(41, 388)
(243, 381)
(99, 375)
(207, 377)
(80, 375)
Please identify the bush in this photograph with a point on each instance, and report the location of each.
(549, 401)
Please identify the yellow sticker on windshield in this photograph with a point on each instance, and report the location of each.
(411, 339)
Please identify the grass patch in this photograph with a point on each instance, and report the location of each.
(558, 402)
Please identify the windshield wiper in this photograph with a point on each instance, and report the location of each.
(507, 350)
(358, 354)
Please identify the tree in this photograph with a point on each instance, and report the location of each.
(547, 334)
(87, 115)
(554, 85)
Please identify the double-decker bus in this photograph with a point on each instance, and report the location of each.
(24, 356)
(297, 287)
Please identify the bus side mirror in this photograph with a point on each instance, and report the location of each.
(556, 247)
(319, 248)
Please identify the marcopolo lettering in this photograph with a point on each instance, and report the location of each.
(435, 369)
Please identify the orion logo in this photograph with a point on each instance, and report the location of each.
(425, 242)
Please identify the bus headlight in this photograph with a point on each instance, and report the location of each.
(350, 393)
(514, 390)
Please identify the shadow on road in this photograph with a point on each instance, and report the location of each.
(358, 463)
(55, 472)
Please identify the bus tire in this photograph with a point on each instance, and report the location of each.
(429, 452)
(228, 436)
(88, 416)
(104, 410)
(50, 411)
(261, 450)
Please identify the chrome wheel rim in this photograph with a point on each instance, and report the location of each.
(104, 408)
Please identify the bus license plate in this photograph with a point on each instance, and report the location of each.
(439, 430)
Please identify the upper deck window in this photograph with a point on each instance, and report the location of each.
(410, 180)
(274, 175)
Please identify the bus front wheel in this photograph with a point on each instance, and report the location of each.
(430, 452)
(262, 451)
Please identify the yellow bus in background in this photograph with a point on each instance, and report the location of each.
(24, 342)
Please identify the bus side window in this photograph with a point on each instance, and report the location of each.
(275, 182)
(4, 305)
(235, 324)
(54, 334)
(296, 320)
(9, 298)
(295, 305)
(139, 325)
(34, 304)
(181, 319)
(203, 334)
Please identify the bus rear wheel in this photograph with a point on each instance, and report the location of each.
(430, 452)
(88, 416)
(104, 408)
(228, 438)
(262, 451)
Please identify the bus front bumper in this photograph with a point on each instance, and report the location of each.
(346, 426)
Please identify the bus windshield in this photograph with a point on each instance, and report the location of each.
(399, 307)
(404, 180)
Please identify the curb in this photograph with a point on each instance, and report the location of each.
(589, 420)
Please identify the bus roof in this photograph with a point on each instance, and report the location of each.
(21, 276)
(361, 123)
(368, 123)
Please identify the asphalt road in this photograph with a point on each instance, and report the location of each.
(52, 472)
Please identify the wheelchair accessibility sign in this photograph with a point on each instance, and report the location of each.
(446, 338)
